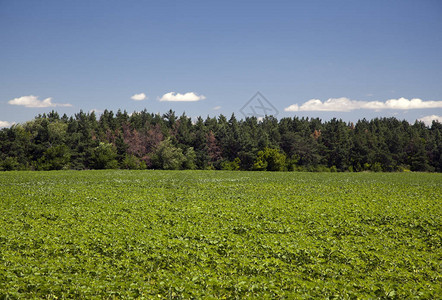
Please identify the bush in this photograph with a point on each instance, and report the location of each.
(55, 158)
(167, 156)
(9, 164)
(231, 165)
(104, 157)
(376, 167)
(131, 162)
(190, 158)
(270, 160)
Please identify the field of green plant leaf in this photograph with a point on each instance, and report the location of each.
(220, 235)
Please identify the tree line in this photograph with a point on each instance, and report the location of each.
(144, 140)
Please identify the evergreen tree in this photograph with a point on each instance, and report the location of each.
(165, 141)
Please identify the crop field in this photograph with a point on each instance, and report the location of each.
(220, 235)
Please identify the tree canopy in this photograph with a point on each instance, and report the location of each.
(145, 140)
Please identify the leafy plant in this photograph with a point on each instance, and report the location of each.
(220, 235)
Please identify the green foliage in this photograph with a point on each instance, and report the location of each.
(270, 160)
(167, 156)
(234, 165)
(190, 159)
(260, 163)
(55, 158)
(131, 162)
(292, 163)
(9, 164)
(103, 157)
(57, 131)
(220, 235)
(376, 167)
(385, 144)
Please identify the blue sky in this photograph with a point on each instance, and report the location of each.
(344, 59)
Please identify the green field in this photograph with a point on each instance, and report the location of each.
(218, 235)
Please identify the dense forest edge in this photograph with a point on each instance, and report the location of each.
(144, 140)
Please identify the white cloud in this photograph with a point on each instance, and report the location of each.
(139, 97)
(429, 119)
(345, 104)
(32, 101)
(187, 97)
(96, 111)
(217, 107)
(5, 124)
(293, 107)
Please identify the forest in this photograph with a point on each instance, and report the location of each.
(144, 140)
